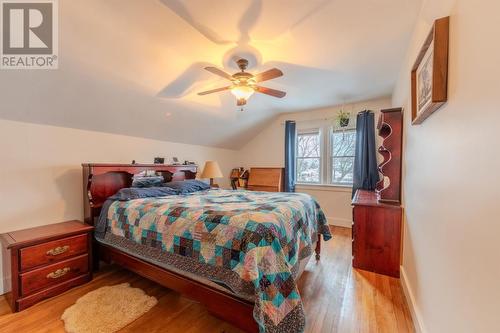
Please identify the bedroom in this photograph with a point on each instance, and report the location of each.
(88, 87)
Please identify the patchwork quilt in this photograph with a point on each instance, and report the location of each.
(242, 239)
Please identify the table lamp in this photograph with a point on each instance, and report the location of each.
(211, 170)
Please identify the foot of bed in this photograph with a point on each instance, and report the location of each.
(318, 248)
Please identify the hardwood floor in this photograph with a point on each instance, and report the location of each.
(336, 299)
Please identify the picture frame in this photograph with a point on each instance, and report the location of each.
(429, 74)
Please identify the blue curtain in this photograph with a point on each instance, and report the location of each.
(365, 161)
(290, 139)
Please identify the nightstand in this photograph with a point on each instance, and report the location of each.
(45, 261)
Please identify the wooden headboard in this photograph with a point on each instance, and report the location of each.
(100, 181)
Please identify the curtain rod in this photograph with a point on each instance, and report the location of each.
(306, 120)
(319, 119)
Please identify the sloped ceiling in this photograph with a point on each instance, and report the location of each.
(134, 67)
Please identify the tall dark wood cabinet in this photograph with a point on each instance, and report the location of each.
(376, 232)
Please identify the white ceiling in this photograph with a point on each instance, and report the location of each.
(134, 67)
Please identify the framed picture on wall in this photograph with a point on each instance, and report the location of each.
(429, 75)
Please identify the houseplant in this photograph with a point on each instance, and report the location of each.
(343, 118)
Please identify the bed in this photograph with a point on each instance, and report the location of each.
(239, 253)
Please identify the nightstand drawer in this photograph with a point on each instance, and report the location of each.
(53, 274)
(51, 252)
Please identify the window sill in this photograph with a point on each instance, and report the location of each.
(324, 187)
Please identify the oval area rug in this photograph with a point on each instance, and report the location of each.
(107, 309)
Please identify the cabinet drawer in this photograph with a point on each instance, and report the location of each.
(263, 188)
(51, 252)
(53, 274)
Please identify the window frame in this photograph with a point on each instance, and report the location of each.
(326, 157)
(306, 131)
(331, 156)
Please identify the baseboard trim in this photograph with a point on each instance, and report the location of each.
(5, 287)
(346, 223)
(410, 300)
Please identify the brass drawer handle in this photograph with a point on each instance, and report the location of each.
(58, 273)
(58, 250)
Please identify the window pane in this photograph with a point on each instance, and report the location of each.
(343, 143)
(308, 170)
(308, 145)
(342, 170)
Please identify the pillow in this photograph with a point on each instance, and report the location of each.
(131, 193)
(187, 186)
(143, 182)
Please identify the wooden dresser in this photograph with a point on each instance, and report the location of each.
(266, 179)
(45, 261)
(376, 230)
(376, 234)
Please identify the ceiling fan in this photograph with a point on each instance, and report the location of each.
(244, 84)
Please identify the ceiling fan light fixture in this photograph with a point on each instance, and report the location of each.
(242, 92)
(244, 84)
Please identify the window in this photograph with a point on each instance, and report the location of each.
(342, 156)
(325, 156)
(308, 157)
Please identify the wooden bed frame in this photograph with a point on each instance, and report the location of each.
(101, 181)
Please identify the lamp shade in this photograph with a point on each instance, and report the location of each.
(211, 170)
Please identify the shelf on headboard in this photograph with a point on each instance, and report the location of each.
(102, 180)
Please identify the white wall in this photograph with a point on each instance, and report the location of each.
(451, 182)
(267, 150)
(41, 173)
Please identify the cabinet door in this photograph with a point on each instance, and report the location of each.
(377, 239)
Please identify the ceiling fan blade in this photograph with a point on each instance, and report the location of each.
(213, 91)
(268, 75)
(216, 71)
(271, 92)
